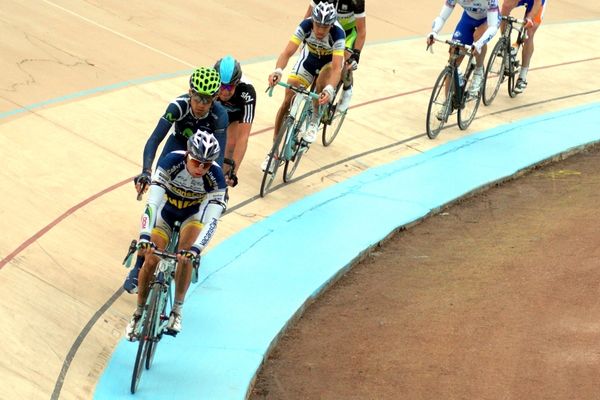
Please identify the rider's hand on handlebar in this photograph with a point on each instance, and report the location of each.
(326, 95)
(231, 179)
(146, 247)
(353, 59)
(528, 22)
(431, 38)
(275, 77)
(186, 256)
(141, 182)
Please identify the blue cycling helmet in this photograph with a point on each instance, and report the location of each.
(203, 146)
(229, 69)
(324, 14)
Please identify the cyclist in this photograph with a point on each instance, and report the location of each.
(352, 17)
(477, 26)
(185, 115)
(238, 96)
(534, 16)
(324, 41)
(193, 187)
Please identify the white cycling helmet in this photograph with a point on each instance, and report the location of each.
(203, 146)
(324, 13)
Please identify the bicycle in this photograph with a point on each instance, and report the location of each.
(451, 92)
(289, 146)
(503, 62)
(331, 119)
(153, 322)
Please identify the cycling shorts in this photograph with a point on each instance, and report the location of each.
(466, 27)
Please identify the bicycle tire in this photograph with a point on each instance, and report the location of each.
(512, 75)
(469, 102)
(158, 305)
(439, 100)
(297, 147)
(494, 73)
(276, 156)
(142, 352)
(332, 120)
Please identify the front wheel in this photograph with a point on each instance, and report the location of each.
(332, 119)
(515, 70)
(297, 148)
(158, 304)
(276, 156)
(494, 74)
(142, 352)
(469, 101)
(439, 103)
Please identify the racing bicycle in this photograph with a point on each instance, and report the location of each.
(153, 322)
(451, 91)
(289, 146)
(504, 63)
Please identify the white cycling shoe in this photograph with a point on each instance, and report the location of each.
(311, 133)
(344, 102)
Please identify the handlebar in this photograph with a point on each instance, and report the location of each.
(453, 43)
(298, 89)
(133, 247)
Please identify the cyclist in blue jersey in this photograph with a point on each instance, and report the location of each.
(324, 41)
(352, 17)
(238, 96)
(185, 115)
(534, 15)
(477, 26)
(187, 186)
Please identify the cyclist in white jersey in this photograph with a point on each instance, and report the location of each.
(478, 25)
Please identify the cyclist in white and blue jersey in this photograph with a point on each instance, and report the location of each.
(186, 114)
(189, 187)
(324, 42)
(477, 26)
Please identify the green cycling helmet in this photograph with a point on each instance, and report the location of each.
(205, 81)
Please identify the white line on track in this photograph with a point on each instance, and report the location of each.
(120, 34)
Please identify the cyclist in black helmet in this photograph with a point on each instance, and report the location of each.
(238, 96)
(185, 115)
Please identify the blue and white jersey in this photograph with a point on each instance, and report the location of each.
(333, 43)
(183, 195)
(476, 9)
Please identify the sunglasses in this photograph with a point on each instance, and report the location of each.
(201, 99)
(200, 164)
(228, 87)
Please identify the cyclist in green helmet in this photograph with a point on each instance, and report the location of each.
(186, 114)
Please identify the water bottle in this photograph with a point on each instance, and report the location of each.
(461, 81)
(513, 52)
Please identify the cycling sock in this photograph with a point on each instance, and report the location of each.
(523, 74)
(347, 87)
(177, 307)
(478, 71)
(139, 310)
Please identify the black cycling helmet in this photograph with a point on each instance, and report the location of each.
(203, 146)
(230, 70)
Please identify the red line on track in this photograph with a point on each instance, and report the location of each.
(35, 237)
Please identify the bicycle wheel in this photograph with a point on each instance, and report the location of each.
(142, 352)
(440, 103)
(332, 119)
(276, 156)
(469, 102)
(158, 304)
(514, 71)
(297, 148)
(494, 73)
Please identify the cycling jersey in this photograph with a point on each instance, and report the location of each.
(240, 107)
(175, 195)
(332, 44)
(179, 116)
(476, 13)
(347, 10)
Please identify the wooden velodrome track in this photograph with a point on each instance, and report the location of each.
(82, 87)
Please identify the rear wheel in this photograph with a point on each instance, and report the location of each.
(332, 119)
(276, 156)
(439, 103)
(494, 74)
(469, 101)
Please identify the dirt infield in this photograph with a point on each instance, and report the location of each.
(494, 297)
